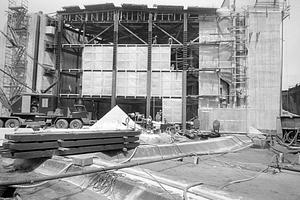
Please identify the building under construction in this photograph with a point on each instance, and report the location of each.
(221, 62)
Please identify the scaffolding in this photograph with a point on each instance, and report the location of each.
(15, 51)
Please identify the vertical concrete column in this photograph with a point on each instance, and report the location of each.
(114, 67)
(184, 71)
(281, 66)
(58, 57)
(149, 66)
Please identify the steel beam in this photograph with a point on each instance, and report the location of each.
(36, 52)
(165, 32)
(132, 33)
(58, 56)
(184, 72)
(114, 67)
(98, 35)
(149, 66)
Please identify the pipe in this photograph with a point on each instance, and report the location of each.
(285, 168)
(121, 166)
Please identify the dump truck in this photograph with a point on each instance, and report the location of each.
(32, 109)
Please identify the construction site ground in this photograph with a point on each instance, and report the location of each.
(217, 171)
(241, 174)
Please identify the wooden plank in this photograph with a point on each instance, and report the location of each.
(30, 146)
(77, 143)
(69, 135)
(92, 149)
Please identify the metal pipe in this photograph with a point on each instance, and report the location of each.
(104, 169)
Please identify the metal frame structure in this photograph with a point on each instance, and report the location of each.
(108, 25)
(14, 72)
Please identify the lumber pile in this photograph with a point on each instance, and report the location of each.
(46, 144)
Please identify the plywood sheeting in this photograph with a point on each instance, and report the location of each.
(161, 58)
(172, 110)
(131, 83)
(128, 58)
(208, 83)
(215, 56)
(166, 84)
(97, 58)
(132, 58)
(96, 83)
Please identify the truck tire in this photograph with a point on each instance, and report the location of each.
(76, 124)
(1, 123)
(12, 123)
(61, 123)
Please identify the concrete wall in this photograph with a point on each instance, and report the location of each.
(264, 68)
(231, 119)
(263, 78)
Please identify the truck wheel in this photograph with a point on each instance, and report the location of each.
(75, 124)
(1, 123)
(61, 123)
(12, 123)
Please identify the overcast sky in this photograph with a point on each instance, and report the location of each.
(291, 70)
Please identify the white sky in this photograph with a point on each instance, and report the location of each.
(291, 70)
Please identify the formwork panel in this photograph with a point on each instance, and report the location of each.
(166, 84)
(132, 58)
(215, 56)
(131, 83)
(208, 83)
(96, 83)
(161, 58)
(97, 58)
(172, 110)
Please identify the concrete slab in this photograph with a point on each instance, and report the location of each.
(4, 131)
